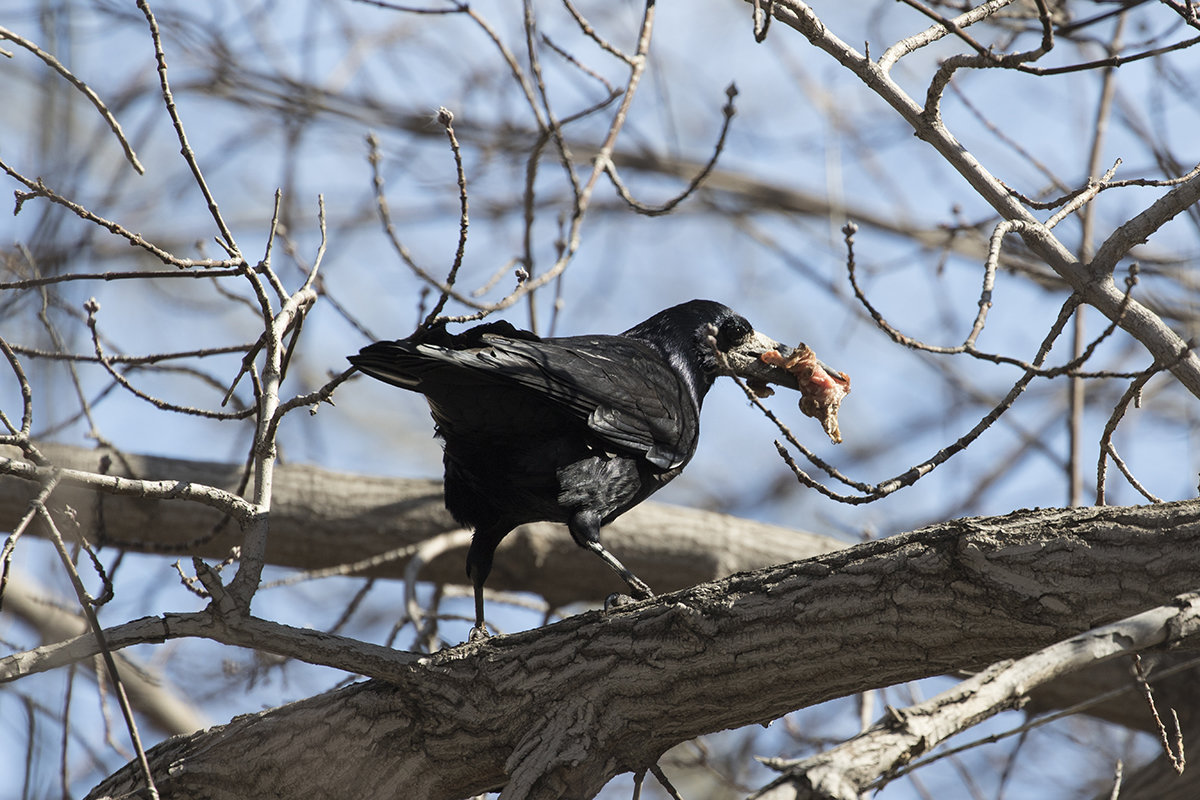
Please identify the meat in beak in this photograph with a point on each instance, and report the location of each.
(761, 361)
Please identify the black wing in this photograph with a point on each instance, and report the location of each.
(621, 389)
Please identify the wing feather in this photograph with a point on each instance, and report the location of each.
(622, 389)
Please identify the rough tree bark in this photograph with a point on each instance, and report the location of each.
(558, 711)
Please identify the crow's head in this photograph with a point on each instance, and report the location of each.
(703, 339)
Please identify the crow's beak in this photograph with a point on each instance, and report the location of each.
(746, 361)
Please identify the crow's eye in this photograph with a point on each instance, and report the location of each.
(732, 331)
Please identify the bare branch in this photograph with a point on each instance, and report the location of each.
(446, 120)
(189, 156)
(84, 89)
(653, 211)
(891, 748)
(86, 602)
(1003, 587)
(1087, 280)
(39, 189)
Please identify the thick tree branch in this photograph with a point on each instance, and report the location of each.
(871, 759)
(1141, 227)
(558, 711)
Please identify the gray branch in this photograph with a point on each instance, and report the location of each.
(558, 711)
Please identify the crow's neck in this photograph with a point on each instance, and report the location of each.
(685, 365)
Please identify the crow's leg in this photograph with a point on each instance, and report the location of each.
(585, 530)
(479, 631)
(479, 565)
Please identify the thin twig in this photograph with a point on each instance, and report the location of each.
(56, 339)
(375, 158)
(189, 156)
(49, 483)
(665, 783)
(272, 231)
(47, 280)
(1174, 753)
(1107, 448)
(84, 89)
(915, 473)
(1082, 198)
(1118, 771)
(86, 603)
(943, 27)
(653, 211)
(762, 19)
(611, 92)
(93, 308)
(586, 28)
(19, 436)
(128, 360)
(39, 189)
(1077, 389)
(446, 120)
(968, 348)
(211, 496)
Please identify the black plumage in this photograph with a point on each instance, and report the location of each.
(574, 430)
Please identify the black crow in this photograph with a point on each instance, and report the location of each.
(575, 430)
